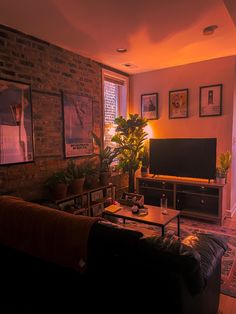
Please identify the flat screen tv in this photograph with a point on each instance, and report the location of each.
(183, 157)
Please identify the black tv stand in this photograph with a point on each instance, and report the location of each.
(199, 199)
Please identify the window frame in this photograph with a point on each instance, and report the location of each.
(123, 95)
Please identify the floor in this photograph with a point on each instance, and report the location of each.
(228, 304)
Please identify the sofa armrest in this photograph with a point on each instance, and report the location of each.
(211, 248)
(195, 257)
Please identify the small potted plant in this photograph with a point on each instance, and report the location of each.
(76, 174)
(222, 169)
(57, 185)
(106, 157)
(91, 174)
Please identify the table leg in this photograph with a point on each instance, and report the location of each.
(162, 231)
(178, 225)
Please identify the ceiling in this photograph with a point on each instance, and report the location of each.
(156, 33)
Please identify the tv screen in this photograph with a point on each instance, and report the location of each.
(183, 157)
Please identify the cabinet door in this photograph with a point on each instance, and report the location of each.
(153, 196)
(202, 204)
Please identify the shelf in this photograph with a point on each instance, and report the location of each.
(154, 188)
(197, 194)
(199, 215)
(77, 211)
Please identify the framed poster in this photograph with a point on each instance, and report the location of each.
(97, 209)
(149, 106)
(96, 196)
(16, 140)
(178, 103)
(78, 125)
(210, 103)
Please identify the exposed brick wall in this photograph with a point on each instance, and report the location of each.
(49, 69)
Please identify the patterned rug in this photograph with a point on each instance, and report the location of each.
(228, 273)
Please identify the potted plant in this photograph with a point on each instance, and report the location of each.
(130, 137)
(106, 157)
(76, 175)
(224, 162)
(57, 185)
(144, 162)
(91, 174)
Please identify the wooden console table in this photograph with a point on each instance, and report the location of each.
(197, 199)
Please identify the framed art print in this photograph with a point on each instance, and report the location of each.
(178, 103)
(149, 106)
(210, 100)
(78, 125)
(16, 128)
(97, 209)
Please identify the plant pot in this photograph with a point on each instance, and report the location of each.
(77, 186)
(91, 181)
(105, 178)
(59, 191)
(220, 180)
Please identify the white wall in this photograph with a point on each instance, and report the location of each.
(192, 76)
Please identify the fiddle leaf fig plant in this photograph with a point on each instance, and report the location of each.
(130, 137)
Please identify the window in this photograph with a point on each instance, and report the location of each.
(115, 96)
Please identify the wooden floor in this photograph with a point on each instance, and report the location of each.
(228, 304)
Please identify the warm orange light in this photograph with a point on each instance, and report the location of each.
(174, 178)
(191, 240)
(149, 131)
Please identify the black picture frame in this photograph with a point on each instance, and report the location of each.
(178, 103)
(77, 125)
(210, 100)
(97, 209)
(149, 106)
(96, 195)
(16, 123)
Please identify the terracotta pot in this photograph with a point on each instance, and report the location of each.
(77, 186)
(59, 191)
(92, 181)
(105, 178)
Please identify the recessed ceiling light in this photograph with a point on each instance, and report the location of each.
(209, 30)
(121, 50)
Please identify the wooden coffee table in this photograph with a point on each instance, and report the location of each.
(153, 217)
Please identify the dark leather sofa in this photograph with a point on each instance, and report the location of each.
(124, 271)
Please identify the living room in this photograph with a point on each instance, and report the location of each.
(52, 72)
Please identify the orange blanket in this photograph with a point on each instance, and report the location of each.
(44, 232)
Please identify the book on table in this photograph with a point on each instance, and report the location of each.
(113, 208)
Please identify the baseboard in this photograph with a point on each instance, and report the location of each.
(230, 213)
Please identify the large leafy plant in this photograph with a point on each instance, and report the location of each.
(74, 171)
(130, 137)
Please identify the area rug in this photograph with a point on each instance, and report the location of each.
(228, 272)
